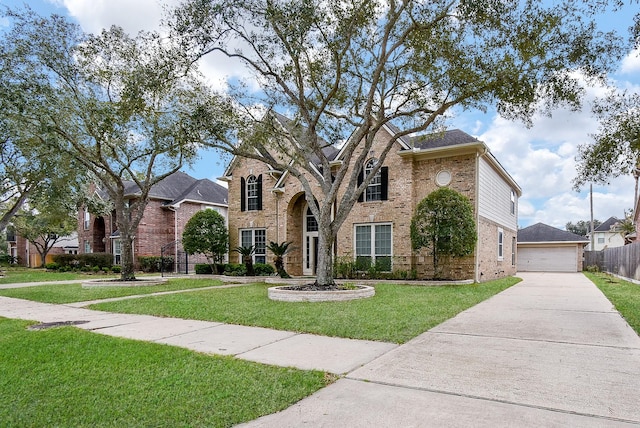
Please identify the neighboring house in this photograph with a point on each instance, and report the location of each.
(267, 205)
(172, 202)
(543, 248)
(607, 235)
(25, 253)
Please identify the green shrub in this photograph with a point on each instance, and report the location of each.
(95, 269)
(7, 259)
(203, 269)
(116, 269)
(52, 266)
(264, 269)
(86, 259)
(592, 268)
(155, 263)
(235, 269)
(345, 267)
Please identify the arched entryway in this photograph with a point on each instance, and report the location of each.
(310, 242)
(302, 231)
(99, 236)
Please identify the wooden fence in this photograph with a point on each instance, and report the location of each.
(623, 261)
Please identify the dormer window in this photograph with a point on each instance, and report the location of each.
(377, 190)
(251, 193)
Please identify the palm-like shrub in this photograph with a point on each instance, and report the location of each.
(279, 251)
(247, 258)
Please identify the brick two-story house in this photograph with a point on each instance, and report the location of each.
(267, 205)
(172, 202)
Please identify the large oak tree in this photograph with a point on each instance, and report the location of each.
(344, 69)
(125, 108)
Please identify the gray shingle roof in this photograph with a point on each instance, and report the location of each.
(541, 232)
(180, 186)
(606, 226)
(452, 137)
(296, 130)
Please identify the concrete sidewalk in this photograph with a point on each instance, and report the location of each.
(281, 348)
(550, 351)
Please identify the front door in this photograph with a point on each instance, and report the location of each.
(310, 243)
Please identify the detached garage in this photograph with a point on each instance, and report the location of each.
(543, 248)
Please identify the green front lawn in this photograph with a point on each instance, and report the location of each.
(396, 313)
(67, 377)
(67, 293)
(15, 275)
(624, 295)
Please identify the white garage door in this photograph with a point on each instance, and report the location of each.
(548, 259)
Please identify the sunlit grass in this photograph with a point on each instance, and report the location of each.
(67, 293)
(624, 295)
(66, 377)
(396, 313)
(15, 275)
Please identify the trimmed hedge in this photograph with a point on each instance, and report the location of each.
(82, 260)
(155, 264)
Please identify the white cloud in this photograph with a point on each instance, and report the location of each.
(542, 161)
(132, 16)
(631, 63)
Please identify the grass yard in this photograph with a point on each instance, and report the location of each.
(20, 275)
(68, 377)
(624, 295)
(397, 313)
(67, 293)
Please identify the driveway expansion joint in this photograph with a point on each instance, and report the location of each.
(524, 339)
(494, 400)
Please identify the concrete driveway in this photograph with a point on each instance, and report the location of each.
(550, 351)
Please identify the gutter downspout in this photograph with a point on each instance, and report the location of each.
(175, 238)
(476, 273)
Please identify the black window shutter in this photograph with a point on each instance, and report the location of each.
(384, 181)
(243, 194)
(260, 192)
(360, 180)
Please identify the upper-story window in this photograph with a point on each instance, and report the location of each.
(513, 202)
(377, 190)
(87, 219)
(251, 193)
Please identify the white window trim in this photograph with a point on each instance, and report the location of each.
(512, 206)
(117, 252)
(500, 244)
(373, 241)
(376, 181)
(252, 193)
(253, 242)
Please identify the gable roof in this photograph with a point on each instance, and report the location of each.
(295, 130)
(449, 138)
(179, 187)
(541, 232)
(607, 225)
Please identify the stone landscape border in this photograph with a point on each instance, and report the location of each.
(283, 294)
(139, 282)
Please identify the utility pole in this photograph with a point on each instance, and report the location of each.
(591, 201)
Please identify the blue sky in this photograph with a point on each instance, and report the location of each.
(540, 158)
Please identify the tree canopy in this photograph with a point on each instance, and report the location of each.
(615, 149)
(206, 233)
(581, 227)
(124, 108)
(444, 223)
(44, 227)
(344, 70)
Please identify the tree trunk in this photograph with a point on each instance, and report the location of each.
(324, 268)
(127, 273)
